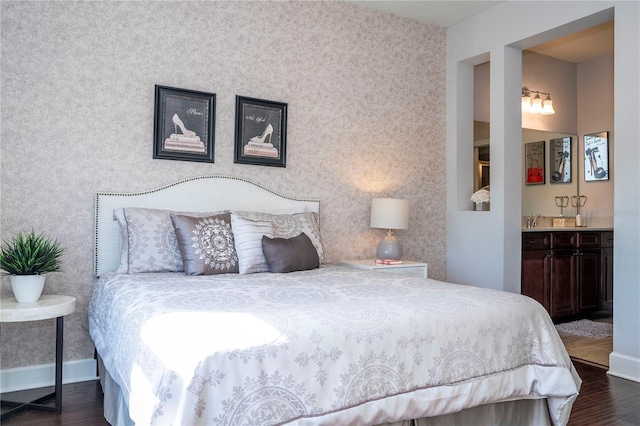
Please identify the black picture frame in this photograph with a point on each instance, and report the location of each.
(534, 163)
(184, 126)
(596, 157)
(560, 160)
(261, 132)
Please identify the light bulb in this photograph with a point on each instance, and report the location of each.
(526, 103)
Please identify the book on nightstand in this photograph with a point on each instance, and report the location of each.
(388, 262)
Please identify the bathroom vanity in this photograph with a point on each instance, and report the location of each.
(568, 270)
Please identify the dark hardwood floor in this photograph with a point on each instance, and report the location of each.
(604, 400)
(81, 405)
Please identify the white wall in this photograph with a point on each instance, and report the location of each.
(551, 75)
(469, 234)
(596, 114)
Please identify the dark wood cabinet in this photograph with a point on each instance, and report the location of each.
(589, 278)
(564, 269)
(536, 276)
(536, 267)
(568, 272)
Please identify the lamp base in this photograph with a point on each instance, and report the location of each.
(389, 247)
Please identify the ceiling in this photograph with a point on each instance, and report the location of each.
(578, 47)
(441, 13)
(582, 46)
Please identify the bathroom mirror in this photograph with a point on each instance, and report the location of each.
(536, 199)
(561, 169)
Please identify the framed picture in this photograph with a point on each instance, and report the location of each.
(596, 157)
(560, 160)
(261, 132)
(534, 163)
(184, 126)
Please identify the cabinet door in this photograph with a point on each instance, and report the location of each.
(563, 296)
(589, 279)
(535, 276)
(606, 287)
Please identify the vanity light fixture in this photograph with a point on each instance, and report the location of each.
(535, 105)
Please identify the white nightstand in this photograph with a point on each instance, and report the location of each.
(46, 307)
(406, 267)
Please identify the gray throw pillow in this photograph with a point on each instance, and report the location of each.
(206, 244)
(290, 254)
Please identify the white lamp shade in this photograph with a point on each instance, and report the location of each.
(536, 105)
(389, 213)
(547, 107)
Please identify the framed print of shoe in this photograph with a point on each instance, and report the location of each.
(261, 132)
(596, 157)
(184, 127)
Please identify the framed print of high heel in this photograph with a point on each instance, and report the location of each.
(560, 160)
(596, 157)
(261, 132)
(184, 127)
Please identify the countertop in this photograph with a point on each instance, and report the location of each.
(566, 228)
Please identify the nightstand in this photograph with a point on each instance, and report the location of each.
(46, 307)
(406, 267)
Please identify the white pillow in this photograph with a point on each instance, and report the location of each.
(290, 225)
(247, 235)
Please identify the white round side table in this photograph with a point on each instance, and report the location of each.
(47, 307)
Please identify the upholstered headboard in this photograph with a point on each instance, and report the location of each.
(198, 194)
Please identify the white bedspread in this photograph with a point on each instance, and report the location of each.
(334, 345)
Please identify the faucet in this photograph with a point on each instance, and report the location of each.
(532, 221)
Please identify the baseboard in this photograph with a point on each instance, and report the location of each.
(39, 376)
(624, 366)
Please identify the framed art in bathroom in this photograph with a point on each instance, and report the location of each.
(184, 127)
(596, 157)
(261, 132)
(534, 163)
(560, 160)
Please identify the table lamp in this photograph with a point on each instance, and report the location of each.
(389, 214)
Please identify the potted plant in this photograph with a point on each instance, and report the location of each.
(27, 258)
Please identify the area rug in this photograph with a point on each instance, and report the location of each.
(587, 328)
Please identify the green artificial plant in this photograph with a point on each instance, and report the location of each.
(30, 254)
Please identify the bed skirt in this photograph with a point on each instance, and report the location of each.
(520, 412)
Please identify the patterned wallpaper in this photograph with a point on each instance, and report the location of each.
(366, 95)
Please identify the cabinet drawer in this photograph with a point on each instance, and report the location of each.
(535, 240)
(607, 239)
(564, 240)
(589, 239)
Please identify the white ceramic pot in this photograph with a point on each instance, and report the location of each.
(27, 288)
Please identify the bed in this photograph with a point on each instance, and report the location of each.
(317, 345)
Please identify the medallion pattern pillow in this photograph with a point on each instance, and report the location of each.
(152, 245)
(148, 240)
(291, 225)
(206, 244)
